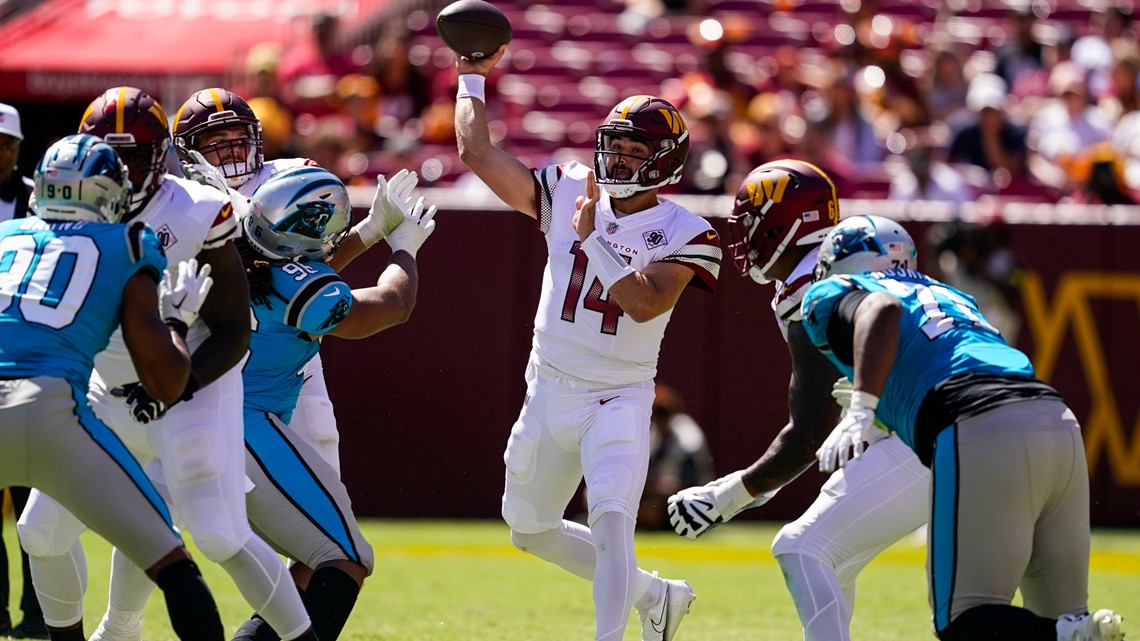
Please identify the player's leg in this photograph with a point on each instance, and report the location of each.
(50, 535)
(201, 447)
(303, 510)
(861, 510)
(31, 625)
(313, 418)
(986, 501)
(102, 484)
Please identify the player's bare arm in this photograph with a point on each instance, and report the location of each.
(876, 341)
(507, 176)
(226, 313)
(386, 304)
(159, 354)
(812, 415)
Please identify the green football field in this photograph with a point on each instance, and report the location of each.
(462, 580)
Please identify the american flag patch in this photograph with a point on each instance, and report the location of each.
(811, 216)
(894, 247)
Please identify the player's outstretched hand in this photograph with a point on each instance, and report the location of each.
(410, 235)
(696, 510)
(144, 408)
(856, 426)
(483, 66)
(182, 296)
(394, 200)
(203, 172)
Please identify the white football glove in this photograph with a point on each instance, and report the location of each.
(393, 202)
(856, 425)
(410, 235)
(696, 510)
(203, 172)
(841, 391)
(181, 299)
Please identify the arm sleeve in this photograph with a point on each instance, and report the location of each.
(702, 254)
(224, 228)
(841, 327)
(545, 181)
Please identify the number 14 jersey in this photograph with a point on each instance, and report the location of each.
(579, 332)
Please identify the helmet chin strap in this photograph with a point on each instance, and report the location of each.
(763, 271)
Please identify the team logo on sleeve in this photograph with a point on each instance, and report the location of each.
(655, 238)
(166, 237)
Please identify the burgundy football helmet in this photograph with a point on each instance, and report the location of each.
(653, 122)
(132, 122)
(779, 204)
(214, 109)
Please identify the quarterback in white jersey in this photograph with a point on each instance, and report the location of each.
(783, 211)
(618, 262)
(197, 443)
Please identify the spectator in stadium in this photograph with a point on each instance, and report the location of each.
(308, 73)
(619, 259)
(1021, 55)
(1067, 125)
(783, 211)
(925, 176)
(15, 190)
(946, 88)
(51, 437)
(852, 134)
(991, 140)
(679, 456)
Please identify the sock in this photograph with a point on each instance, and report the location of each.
(615, 574)
(329, 599)
(129, 592)
(60, 582)
(262, 579)
(256, 629)
(193, 613)
(70, 634)
(999, 622)
(824, 613)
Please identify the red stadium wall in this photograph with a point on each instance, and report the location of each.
(425, 409)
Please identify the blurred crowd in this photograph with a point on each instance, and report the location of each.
(945, 101)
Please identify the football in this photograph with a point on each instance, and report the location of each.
(473, 28)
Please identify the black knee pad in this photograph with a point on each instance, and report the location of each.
(329, 600)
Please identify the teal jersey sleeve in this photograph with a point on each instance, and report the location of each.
(145, 249)
(318, 300)
(818, 305)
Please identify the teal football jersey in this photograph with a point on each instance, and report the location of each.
(61, 287)
(310, 300)
(941, 334)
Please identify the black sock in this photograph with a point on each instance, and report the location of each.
(256, 629)
(1001, 623)
(193, 613)
(329, 600)
(74, 633)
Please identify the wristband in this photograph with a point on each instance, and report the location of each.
(178, 326)
(864, 400)
(609, 265)
(472, 85)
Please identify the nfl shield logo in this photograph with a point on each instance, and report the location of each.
(611, 228)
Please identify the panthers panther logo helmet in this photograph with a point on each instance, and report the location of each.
(80, 177)
(132, 122)
(862, 244)
(653, 122)
(214, 109)
(779, 204)
(301, 212)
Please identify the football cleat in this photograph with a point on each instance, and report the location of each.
(659, 622)
(119, 625)
(1102, 625)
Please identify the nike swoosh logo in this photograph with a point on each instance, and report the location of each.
(659, 626)
(606, 400)
(710, 235)
(335, 292)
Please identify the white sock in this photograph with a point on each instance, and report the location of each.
(615, 575)
(266, 585)
(820, 603)
(60, 583)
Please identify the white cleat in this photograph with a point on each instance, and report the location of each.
(119, 625)
(660, 621)
(1102, 625)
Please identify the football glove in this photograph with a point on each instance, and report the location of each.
(415, 229)
(144, 408)
(856, 425)
(696, 510)
(203, 172)
(841, 391)
(180, 300)
(393, 202)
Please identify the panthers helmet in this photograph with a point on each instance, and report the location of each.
(863, 244)
(301, 212)
(132, 122)
(214, 109)
(779, 204)
(80, 177)
(653, 122)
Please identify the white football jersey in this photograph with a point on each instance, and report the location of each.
(578, 331)
(789, 294)
(268, 168)
(188, 218)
